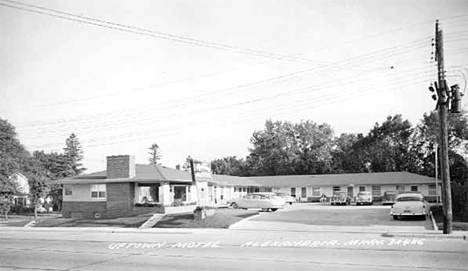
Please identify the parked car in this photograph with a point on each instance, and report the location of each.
(264, 201)
(340, 198)
(287, 197)
(389, 197)
(409, 204)
(364, 198)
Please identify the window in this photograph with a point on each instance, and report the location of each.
(316, 191)
(257, 189)
(376, 190)
(414, 188)
(303, 192)
(98, 191)
(235, 189)
(400, 188)
(336, 189)
(432, 190)
(362, 188)
(68, 191)
(293, 191)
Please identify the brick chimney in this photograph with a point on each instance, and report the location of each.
(120, 166)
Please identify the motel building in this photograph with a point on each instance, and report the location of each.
(127, 189)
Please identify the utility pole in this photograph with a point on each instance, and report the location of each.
(443, 100)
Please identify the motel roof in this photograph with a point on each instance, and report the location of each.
(158, 173)
(380, 178)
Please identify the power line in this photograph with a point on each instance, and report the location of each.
(363, 58)
(153, 117)
(99, 22)
(150, 33)
(336, 95)
(308, 103)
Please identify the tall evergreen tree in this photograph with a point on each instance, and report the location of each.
(74, 154)
(155, 154)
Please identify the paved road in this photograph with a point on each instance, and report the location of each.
(302, 216)
(163, 249)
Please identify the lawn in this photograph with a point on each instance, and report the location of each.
(458, 225)
(222, 219)
(122, 222)
(15, 220)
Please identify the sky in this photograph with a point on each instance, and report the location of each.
(199, 77)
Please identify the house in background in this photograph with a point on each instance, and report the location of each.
(21, 198)
(126, 188)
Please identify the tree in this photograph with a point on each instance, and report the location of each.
(7, 190)
(230, 166)
(12, 157)
(37, 179)
(283, 148)
(343, 156)
(155, 154)
(55, 166)
(74, 154)
(426, 145)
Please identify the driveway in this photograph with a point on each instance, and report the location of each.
(324, 216)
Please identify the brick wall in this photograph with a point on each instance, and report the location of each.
(84, 209)
(120, 166)
(119, 199)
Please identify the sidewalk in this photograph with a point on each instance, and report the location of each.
(396, 231)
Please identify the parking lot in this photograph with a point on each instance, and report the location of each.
(319, 214)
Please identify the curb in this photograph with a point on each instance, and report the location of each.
(103, 230)
(435, 235)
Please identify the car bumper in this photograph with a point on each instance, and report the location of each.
(411, 213)
(364, 201)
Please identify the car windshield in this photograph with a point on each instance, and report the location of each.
(409, 199)
(363, 194)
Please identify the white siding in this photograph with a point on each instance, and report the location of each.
(81, 192)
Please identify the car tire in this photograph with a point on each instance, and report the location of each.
(395, 217)
(234, 205)
(290, 203)
(423, 217)
(357, 203)
(273, 209)
(332, 203)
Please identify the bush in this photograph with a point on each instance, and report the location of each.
(19, 209)
(201, 208)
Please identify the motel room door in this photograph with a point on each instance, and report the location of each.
(350, 191)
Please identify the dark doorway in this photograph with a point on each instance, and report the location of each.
(350, 191)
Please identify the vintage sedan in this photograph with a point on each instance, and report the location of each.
(409, 204)
(287, 197)
(389, 197)
(364, 198)
(264, 201)
(340, 198)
